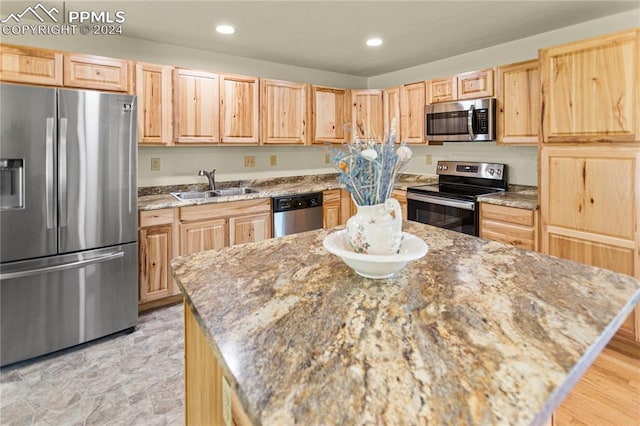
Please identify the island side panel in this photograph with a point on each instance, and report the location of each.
(202, 376)
(203, 380)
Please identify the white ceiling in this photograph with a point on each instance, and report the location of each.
(331, 35)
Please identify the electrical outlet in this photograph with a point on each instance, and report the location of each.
(226, 402)
(327, 158)
(428, 160)
(249, 161)
(273, 160)
(155, 164)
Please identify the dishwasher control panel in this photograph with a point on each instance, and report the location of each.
(296, 202)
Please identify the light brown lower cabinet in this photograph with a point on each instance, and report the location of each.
(331, 210)
(156, 248)
(203, 378)
(217, 225)
(510, 225)
(167, 233)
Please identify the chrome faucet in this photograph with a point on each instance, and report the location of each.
(211, 176)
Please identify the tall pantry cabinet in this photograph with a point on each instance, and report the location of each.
(590, 155)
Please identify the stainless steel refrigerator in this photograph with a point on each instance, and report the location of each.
(68, 218)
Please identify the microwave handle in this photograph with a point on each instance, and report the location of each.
(472, 136)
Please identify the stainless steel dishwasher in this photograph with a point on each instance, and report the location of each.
(297, 213)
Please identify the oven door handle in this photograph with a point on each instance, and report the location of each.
(465, 205)
(472, 135)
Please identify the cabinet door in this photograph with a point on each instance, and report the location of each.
(590, 90)
(443, 89)
(476, 84)
(203, 235)
(331, 114)
(96, 72)
(518, 91)
(366, 113)
(590, 200)
(239, 109)
(153, 87)
(284, 112)
(155, 253)
(412, 102)
(195, 107)
(249, 228)
(391, 110)
(331, 208)
(30, 65)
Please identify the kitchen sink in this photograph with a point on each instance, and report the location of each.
(234, 191)
(199, 195)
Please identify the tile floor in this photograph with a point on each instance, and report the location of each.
(129, 379)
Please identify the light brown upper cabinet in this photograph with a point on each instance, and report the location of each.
(284, 112)
(518, 92)
(366, 113)
(469, 85)
(21, 64)
(475, 84)
(331, 114)
(391, 110)
(97, 72)
(239, 109)
(412, 102)
(153, 87)
(590, 90)
(443, 89)
(196, 99)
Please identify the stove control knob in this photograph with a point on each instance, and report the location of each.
(445, 167)
(499, 172)
(491, 172)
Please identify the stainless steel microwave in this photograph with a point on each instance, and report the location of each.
(461, 121)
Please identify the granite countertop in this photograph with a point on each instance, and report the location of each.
(266, 188)
(475, 332)
(519, 196)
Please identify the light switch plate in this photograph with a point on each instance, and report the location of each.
(428, 159)
(273, 160)
(155, 164)
(249, 161)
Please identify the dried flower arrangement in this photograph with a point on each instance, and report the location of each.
(369, 169)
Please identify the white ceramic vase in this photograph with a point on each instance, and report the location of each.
(376, 229)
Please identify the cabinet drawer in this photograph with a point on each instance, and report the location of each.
(331, 196)
(507, 214)
(516, 235)
(155, 217)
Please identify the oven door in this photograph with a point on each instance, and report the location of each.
(456, 215)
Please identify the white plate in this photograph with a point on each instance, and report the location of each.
(372, 265)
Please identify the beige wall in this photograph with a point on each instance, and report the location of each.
(180, 164)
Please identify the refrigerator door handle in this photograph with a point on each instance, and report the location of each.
(63, 173)
(76, 264)
(49, 202)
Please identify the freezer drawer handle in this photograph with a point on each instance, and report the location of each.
(38, 271)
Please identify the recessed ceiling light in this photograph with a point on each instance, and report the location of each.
(373, 42)
(225, 29)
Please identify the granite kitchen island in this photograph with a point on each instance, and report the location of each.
(475, 332)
